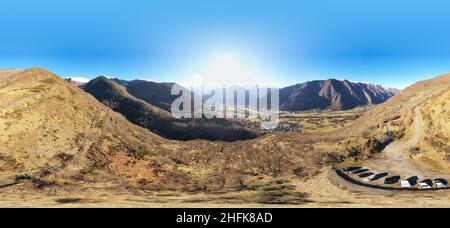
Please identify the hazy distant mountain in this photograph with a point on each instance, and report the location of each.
(5, 74)
(332, 94)
(161, 121)
(78, 81)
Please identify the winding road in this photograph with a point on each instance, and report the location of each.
(395, 161)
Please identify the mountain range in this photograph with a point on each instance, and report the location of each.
(328, 94)
(148, 104)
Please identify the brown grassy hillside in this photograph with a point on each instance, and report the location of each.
(397, 112)
(48, 124)
(434, 149)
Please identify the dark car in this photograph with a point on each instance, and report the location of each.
(359, 171)
(379, 176)
(392, 180)
(351, 168)
(364, 175)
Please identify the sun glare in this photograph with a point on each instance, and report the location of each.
(230, 68)
(226, 68)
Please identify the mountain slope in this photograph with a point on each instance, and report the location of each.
(154, 93)
(63, 135)
(398, 111)
(430, 100)
(160, 121)
(433, 151)
(332, 94)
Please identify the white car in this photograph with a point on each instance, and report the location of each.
(370, 178)
(439, 184)
(405, 184)
(424, 185)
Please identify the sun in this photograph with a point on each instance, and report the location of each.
(228, 68)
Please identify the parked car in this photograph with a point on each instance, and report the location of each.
(405, 184)
(351, 168)
(392, 180)
(370, 178)
(379, 176)
(359, 171)
(424, 185)
(413, 180)
(365, 175)
(438, 183)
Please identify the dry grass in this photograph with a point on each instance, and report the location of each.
(320, 121)
(434, 152)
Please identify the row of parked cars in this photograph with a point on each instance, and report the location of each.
(368, 176)
(428, 184)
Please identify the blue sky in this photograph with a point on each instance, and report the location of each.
(393, 43)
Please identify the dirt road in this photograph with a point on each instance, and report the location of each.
(395, 161)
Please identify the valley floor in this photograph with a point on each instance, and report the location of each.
(326, 190)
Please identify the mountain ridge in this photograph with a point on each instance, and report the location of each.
(154, 93)
(332, 94)
(161, 121)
